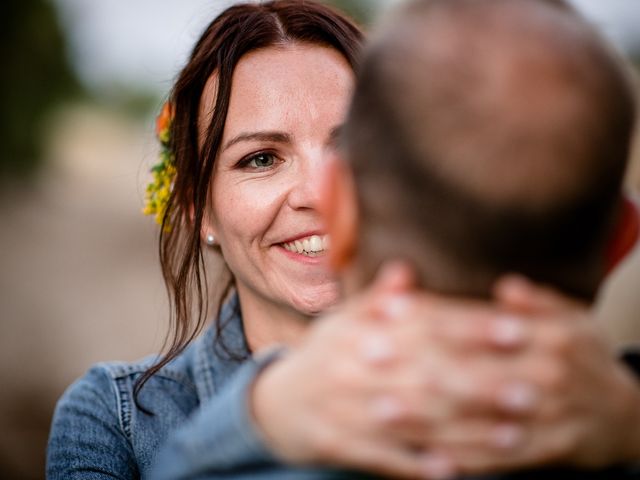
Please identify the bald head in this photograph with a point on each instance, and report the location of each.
(500, 131)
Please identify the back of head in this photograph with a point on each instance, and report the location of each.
(489, 136)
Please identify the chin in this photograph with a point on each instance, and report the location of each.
(319, 300)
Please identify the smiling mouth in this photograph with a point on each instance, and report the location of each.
(312, 246)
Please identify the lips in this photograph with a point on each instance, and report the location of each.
(312, 245)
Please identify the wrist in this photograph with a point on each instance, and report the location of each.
(266, 406)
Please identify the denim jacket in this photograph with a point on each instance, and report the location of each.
(200, 424)
(99, 432)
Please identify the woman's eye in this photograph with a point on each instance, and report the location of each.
(261, 160)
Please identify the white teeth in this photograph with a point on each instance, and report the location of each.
(312, 246)
(315, 244)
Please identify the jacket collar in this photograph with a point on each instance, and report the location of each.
(220, 350)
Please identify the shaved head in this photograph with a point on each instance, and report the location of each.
(499, 132)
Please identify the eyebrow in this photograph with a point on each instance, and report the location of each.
(278, 137)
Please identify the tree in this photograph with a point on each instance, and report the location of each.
(36, 76)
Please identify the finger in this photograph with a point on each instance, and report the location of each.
(490, 435)
(462, 322)
(517, 292)
(414, 416)
(480, 330)
(488, 394)
(393, 283)
(473, 330)
(466, 324)
(534, 445)
(394, 276)
(438, 465)
(377, 349)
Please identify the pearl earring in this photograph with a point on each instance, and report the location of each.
(211, 240)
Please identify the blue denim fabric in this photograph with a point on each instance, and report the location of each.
(99, 432)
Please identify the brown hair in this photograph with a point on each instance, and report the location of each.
(235, 32)
(489, 137)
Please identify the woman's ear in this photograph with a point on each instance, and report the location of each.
(339, 209)
(207, 230)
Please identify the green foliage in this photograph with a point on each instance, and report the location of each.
(361, 10)
(36, 76)
(132, 101)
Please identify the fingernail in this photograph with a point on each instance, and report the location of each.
(377, 349)
(390, 271)
(395, 306)
(507, 331)
(386, 408)
(395, 274)
(518, 397)
(437, 466)
(515, 280)
(507, 436)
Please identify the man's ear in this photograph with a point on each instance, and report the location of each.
(339, 209)
(625, 234)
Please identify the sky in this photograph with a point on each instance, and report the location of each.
(136, 43)
(142, 44)
(618, 19)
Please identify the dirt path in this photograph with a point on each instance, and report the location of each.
(79, 281)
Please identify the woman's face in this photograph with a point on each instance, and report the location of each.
(286, 106)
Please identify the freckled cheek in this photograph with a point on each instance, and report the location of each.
(245, 213)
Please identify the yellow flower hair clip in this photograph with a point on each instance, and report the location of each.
(164, 172)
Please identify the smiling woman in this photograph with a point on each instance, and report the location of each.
(252, 117)
(265, 186)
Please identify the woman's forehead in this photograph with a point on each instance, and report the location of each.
(279, 80)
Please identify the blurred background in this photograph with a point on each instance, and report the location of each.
(79, 280)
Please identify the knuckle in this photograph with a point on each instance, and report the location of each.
(555, 377)
(389, 410)
(427, 385)
(561, 340)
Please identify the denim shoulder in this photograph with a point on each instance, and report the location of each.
(99, 430)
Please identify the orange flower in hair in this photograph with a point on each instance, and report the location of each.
(159, 189)
(163, 123)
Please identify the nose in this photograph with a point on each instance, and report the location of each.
(307, 184)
